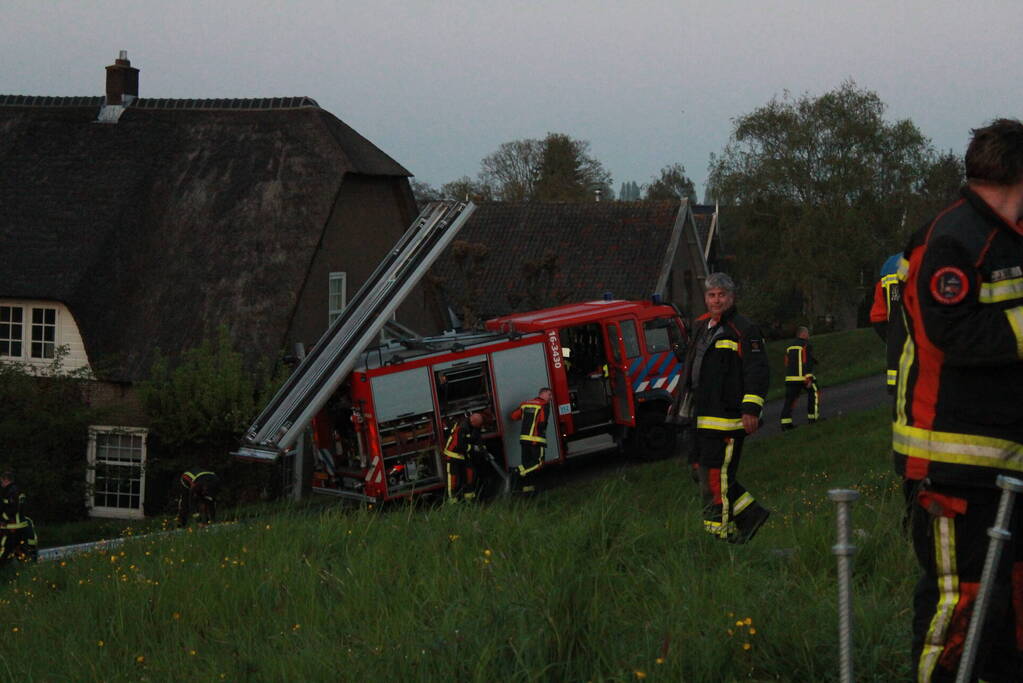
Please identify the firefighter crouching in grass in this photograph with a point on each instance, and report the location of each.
(462, 458)
(799, 367)
(18, 538)
(534, 414)
(959, 411)
(723, 393)
(199, 498)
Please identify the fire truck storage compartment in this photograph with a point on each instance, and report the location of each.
(463, 385)
(405, 423)
(586, 360)
(519, 373)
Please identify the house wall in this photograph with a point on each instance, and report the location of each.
(119, 404)
(67, 334)
(369, 217)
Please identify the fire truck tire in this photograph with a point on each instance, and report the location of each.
(652, 438)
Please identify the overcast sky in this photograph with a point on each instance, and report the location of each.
(439, 85)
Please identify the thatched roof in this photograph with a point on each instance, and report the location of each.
(174, 220)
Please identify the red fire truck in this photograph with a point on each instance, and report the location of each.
(614, 367)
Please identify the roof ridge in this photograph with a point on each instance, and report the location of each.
(225, 103)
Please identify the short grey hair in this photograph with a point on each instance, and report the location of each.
(719, 281)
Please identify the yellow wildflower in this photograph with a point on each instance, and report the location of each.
(488, 552)
(176, 616)
(100, 643)
(752, 631)
(659, 660)
(640, 674)
(746, 646)
(140, 659)
(747, 621)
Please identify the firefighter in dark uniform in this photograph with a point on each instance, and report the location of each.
(800, 364)
(723, 395)
(199, 497)
(462, 456)
(886, 307)
(18, 538)
(534, 414)
(958, 418)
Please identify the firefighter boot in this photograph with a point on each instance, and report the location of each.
(749, 523)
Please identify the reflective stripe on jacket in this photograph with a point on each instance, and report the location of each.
(533, 414)
(959, 400)
(799, 361)
(733, 376)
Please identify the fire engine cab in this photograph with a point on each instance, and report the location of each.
(614, 367)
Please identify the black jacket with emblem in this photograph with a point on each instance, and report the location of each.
(733, 373)
(959, 401)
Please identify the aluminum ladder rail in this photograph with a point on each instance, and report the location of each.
(329, 362)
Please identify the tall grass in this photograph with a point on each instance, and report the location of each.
(605, 579)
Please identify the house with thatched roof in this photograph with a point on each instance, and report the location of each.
(516, 256)
(131, 224)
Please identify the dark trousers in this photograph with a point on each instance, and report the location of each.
(21, 544)
(949, 528)
(792, 393)
(727, 505)
(461, 478)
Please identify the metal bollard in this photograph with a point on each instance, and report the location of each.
(1000, 534)
(843, 498)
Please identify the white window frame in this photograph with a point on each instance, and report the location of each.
(108, 511)
(337, 295)
(28, 329)
(10, 338)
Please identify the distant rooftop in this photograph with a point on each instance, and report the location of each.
(237, 104)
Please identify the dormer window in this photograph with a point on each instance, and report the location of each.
(28, 332)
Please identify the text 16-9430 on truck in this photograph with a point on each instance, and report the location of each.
(614, 367)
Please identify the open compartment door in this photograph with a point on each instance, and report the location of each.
(624, 403)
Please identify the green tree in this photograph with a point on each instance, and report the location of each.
(44, 435)
(557, 168)
(199, 406)
(466, 189)
(568, 173)
(512, 169)
(424, 193)
(822, 187)
(673, 183)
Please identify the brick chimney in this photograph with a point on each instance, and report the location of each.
(122, 81)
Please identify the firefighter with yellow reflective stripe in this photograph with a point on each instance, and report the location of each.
(534, 414)
(18, 538)
(887, 306)
(958, 420)
(199, 498)
(723, 394)
(460, 459)
(800, 364)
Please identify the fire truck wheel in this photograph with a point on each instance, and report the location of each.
(652, 438)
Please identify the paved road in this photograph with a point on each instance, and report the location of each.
(861, 394)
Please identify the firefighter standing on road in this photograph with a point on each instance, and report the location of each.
(800, 364)
(17, 533)
(199, 498)
(725, 385)
(533, 438)
(959, 409)
(461, 458)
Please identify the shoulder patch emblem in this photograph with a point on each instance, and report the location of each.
(756, 345)
(949, 285)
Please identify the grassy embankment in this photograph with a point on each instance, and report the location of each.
(842, 357)
(598, 580)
